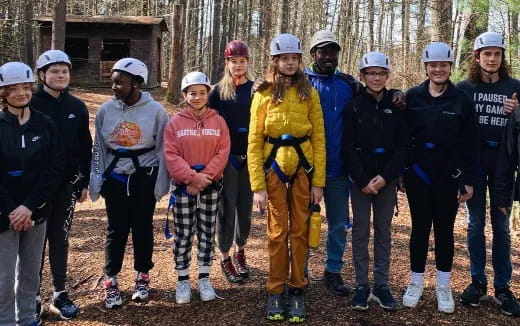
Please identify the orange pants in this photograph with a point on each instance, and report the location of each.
(287, 220)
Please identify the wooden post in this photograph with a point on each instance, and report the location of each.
(176, 68)
(58, 25)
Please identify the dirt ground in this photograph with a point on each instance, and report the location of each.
(245, 304)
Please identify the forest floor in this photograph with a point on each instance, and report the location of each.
(245, 304)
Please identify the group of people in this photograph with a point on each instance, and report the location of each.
(283, 144)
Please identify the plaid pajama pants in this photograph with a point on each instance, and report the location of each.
(195, 215)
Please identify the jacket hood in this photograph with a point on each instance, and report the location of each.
(144, 100)
(310, 71)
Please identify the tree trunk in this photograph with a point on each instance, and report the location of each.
(58, 25)
(370, 44)
(405, 28)
(477, 24)
(441, 21)
(420, 40)
(380, 21)
(215, 51)
(176, 70)
(29, 59)
(281, 19)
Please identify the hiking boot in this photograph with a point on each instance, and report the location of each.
(142, 286)
(183, 292)
(382, 295)
(445, 301)
(360, 299)
(275, 307)
(335, 283)
(112, 295)
(242, 267)
(473, 294)
(296, 309)
(509, 305)
(412, 295)
(229, 271)
(206, 291)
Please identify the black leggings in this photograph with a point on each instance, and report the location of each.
(431, 204)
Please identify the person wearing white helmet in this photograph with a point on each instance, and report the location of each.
(286, 144)
(196, 150)
(495, 97)
(72, 119)
(128, 171)
(31, 168)
(375, 147)
(441, 172)
(231, 97)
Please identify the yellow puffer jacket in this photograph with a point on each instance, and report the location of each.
(292, 116)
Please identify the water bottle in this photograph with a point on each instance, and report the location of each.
(315, 227)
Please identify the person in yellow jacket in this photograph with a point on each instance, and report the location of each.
(286, 162)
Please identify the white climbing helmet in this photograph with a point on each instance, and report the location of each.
(437, 51)
(286, 43)
(374, 59)
(194, 78)
(323, 38)
(15, 73)
(489, 39)
(51, 57)
(132, 66)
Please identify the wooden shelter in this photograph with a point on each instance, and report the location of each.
(95, 43)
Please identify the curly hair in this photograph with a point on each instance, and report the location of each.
(276, 81)
(475, 72)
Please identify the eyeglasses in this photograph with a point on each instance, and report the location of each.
(374, 74)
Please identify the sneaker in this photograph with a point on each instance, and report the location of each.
(412, 295)
(509, 305)
(142, 286)
(183, 292)
(230, 272)
(64, 307)
(275, 307)
(206, 290)
(445, 301)
(473, 294)
(112, 295)
(360, 299)
(382, 295)
(242, 267)
(296, 309)
(335, 283)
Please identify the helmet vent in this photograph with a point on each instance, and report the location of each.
(128, 65)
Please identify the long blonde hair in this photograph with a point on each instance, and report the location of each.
(226, 86)
(277, 82)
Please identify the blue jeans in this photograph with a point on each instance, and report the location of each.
(501, 246)
(336, 204)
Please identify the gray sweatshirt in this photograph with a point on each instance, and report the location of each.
(132, 127)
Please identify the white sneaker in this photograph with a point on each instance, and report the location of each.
(412, 295)
(183, 292)
(206, 290)
(445, 301)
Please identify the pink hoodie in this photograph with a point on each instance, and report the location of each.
(189, 141)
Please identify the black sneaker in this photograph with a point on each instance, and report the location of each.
(229, 271)
(509, 305)
(473, 294)
(64, 307)
(360, 299)
(296, 310)
(382, 295)
(335, 283)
